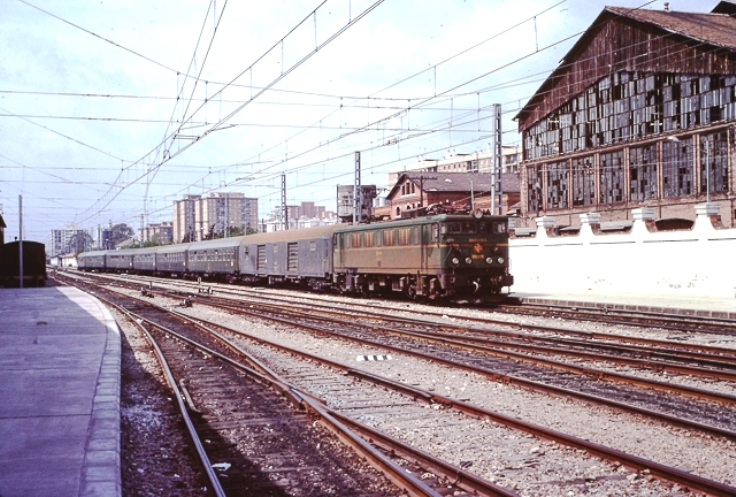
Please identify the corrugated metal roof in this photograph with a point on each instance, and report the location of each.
(713, 29)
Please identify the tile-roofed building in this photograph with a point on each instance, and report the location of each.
(630, 117)
(417, 189)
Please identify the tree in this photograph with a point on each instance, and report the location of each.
(121, 232)
(79, 242)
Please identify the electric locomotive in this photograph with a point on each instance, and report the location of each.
(441, 256)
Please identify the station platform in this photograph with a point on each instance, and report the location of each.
(60, 359)
(681, 305)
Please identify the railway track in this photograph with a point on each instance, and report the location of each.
(453, 402)
(526, 359)
(274, 442)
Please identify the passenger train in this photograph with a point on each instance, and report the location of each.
(439, 256)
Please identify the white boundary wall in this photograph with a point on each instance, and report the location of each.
(696, 262)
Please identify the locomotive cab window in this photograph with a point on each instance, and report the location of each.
(456, 228)
(495, 227)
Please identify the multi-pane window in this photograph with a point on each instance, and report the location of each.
(629, 105)
(612, 177)
(557, 186)
(714, 153)
(677, 167)
(534, 188)
(643, 173)
(583, 182)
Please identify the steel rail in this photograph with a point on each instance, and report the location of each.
(580, 370)
(641, 363)
(396, 473)
(696, 350)
(199, 447)
(493, 375)
(718, 356)
(665, 472)
(615, 313)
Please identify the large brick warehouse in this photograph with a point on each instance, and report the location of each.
(641, 112)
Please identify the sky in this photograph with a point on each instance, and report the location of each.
(111, 111)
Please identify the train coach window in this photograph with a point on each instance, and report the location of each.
(389, 237)
(435, 231)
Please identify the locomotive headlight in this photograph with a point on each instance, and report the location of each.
(489, 260)
(455, 261)
(500, 260)
(468, 260)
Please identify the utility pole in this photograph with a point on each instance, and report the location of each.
(284, 209)
(357, 192)
(20, 237)
(496, 190)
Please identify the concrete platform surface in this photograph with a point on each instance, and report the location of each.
(59, 394)
(717, 307)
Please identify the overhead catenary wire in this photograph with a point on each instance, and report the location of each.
(284, 74)
(440, 129)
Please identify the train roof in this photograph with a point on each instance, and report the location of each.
(413, 221)
(216, 243)
(146, 250)
(93, 253)
(291, 235)
(169, 249)
(30, 242)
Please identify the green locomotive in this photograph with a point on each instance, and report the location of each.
(444, 256)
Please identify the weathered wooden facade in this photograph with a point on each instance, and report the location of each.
(640, 113)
